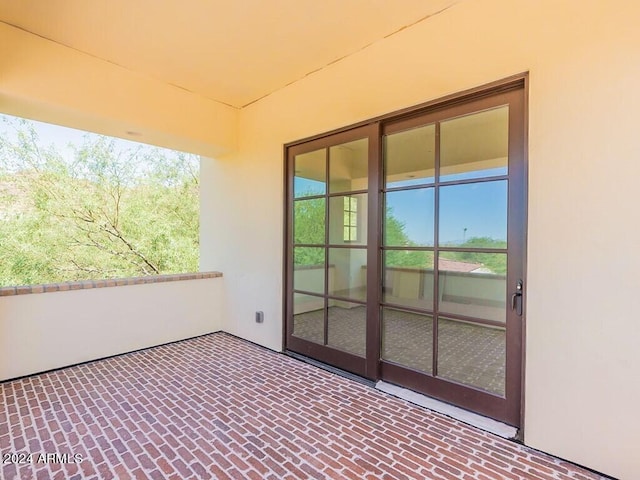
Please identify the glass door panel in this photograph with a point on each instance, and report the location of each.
(308, 221)
(475, 145)
(473, 215)
(310, 171)
(472, 354)
(409, 157)
(349, 166)
(348, 273)
(450, 332)
(308, 271)
(328, 213)
(308, 317)
(409, 218)
(347, 266)
(473, 285)
(348, 219)
(347, 326)
(407, 278)
(407, 339)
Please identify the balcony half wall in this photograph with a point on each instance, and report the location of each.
(48, 329)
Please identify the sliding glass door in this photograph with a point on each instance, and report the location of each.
(405, 251)
(328, 254)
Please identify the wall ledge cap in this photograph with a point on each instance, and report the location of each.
(102, 283)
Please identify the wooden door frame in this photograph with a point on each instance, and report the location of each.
(374, 368)
(325, 353)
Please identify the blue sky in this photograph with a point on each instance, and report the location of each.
(61, 137)
(304, 185)
(480, 208)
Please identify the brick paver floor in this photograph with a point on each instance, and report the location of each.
(219, 407)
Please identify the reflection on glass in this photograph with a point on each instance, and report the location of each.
(308, 221)
(308, 317)
(475, 145)
(308, 269)
(407, 339)
(473, 284)
(348, 166)
(310, 174)
(474, 215)
(348, 219)
(408, 278)
(348, 273)
(472, 354)
(347, 326)
(409, 157)
(409, 217)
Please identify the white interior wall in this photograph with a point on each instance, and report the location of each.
(584, 62)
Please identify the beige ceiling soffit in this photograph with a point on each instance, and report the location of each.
(115, 64)
(200, 95)
(426, 17)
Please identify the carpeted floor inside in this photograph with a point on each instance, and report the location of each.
(467, 353)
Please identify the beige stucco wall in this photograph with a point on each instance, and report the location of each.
(42, 331)
(582, 364)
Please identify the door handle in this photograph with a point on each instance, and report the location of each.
(516, 299)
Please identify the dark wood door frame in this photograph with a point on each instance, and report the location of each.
(325, 353)
(512, 409)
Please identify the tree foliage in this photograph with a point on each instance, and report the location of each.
(102, 212)
(308, 227)
(395, 234)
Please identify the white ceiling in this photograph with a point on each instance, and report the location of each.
(231, 51)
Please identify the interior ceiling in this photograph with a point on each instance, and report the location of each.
(231, 51)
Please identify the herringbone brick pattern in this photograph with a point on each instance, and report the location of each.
(216, 407)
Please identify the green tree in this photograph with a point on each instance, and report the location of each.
(308, 228)
(103, 213)
(396, 235)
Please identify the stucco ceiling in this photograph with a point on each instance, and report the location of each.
(231, 51)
